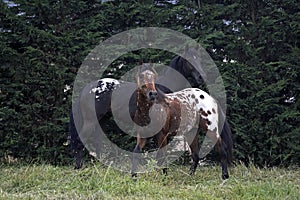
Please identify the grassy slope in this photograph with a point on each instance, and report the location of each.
(96, 182)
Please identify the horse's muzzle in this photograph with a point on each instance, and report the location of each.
(152, 95)
(198, 78)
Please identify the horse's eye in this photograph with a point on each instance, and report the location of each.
(145, 88)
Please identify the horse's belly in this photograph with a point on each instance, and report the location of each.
(188, 119)
(174, 125)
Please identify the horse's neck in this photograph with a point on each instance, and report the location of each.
(143, 104)
(142, 110)
(179, 65)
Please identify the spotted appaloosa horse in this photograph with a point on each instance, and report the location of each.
(183, 110)
(104, 88)
(103, 92)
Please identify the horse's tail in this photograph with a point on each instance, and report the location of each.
(226, 137)
(75, 142)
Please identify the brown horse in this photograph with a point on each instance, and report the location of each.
(174, 114)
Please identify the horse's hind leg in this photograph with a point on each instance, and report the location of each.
(77, 150)
(79, 158)
(221, 147)
(161, 156)
(195, 154)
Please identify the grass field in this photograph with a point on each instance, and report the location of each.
(98, 182)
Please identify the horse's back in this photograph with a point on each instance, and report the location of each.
(196, 97)
(198, 102)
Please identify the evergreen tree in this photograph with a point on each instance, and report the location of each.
(254, 43)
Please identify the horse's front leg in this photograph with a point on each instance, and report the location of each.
(136, 154)
(194, 146)
(161, 153)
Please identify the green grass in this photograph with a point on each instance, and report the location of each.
(98, 182)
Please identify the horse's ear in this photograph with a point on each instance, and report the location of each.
(138, 80)
(137, 76)
(140, 62)
(152, 68)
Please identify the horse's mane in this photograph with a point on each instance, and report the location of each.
(162, 97)
(177, 64)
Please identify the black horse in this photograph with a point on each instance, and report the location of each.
(103, 94)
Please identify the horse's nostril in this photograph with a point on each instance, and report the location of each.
(153, 94)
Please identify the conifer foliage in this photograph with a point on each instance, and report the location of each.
(255, 45)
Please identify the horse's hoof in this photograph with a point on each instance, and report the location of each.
(134, 177)
(165, 171)
(77, 167)
(225, 176)
(192, 172)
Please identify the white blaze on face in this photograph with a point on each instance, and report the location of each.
(149, 77)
